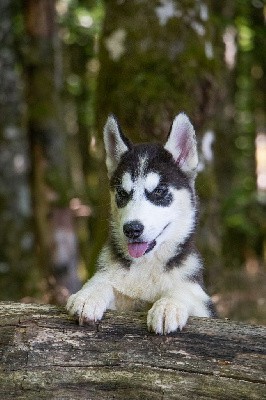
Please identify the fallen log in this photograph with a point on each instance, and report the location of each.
(44, 354)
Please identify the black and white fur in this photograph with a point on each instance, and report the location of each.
(149, 261)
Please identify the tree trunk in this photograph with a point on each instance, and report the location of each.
(57, 241)
(17, 260)
(45, 354)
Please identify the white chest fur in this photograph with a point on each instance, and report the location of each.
(148, 279)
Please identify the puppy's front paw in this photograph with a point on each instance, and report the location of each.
(166, 316)
(86, 306)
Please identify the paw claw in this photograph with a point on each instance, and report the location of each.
(86, 307)
(166, 316)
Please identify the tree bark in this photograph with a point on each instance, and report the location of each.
(17, 260)
(51, 183)
(45, 354)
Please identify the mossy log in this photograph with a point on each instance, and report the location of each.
(46, 355)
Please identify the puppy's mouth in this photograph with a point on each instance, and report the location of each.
(138, 249)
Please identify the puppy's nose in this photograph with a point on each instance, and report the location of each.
(133, 229)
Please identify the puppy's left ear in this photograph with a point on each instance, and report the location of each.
(182, 145)
(116, 144)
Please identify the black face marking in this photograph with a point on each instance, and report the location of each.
(122, 197)
(160, 196)
(158, 160)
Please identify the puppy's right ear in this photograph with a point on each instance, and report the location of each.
(116, 144)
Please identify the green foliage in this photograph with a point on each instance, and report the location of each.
(81, 21)
(242, 214)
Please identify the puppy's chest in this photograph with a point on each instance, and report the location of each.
(145, 281)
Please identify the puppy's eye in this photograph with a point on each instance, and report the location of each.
(121, 193)
(160, 192)
(122, 197)
(160, 196)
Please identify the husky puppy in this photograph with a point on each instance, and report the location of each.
(149, 261)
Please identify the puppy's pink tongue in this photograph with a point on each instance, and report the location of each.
(137, 250)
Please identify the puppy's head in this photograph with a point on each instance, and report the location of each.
(152, 188)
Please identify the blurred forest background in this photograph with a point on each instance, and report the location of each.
(64, 65)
